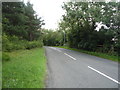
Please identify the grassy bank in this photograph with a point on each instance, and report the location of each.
(26, 69)
(102, 55)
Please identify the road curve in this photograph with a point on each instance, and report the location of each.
(72, 69)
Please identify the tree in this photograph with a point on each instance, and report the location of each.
(13, 18)
(33, 22)
(52, 38)
(21, 20)
(81, 20)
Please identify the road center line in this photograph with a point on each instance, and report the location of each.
(104, 75)
(70, 56)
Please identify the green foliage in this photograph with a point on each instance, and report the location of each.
(11, 43)
(21, 26)
(80, 22)
(21, 29)
(33, 44)
(20, 22)
(52, 38)
(5, 57)
(34, 23)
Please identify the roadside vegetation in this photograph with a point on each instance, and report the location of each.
(23, 56)
(53, 38)
(25, 69)
(21, 30)
(90, 27)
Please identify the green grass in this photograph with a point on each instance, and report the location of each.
(102, 55)
(26, 69)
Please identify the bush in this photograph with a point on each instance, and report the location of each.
(5, 57)
(11, 43)
(33, 44)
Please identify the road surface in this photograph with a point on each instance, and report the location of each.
(72, 69)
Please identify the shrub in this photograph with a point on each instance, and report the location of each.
(33, 44)
(5, 57)
(11, 43)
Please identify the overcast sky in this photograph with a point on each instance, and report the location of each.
(50, 10)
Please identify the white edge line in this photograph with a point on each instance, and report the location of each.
(70, 56)
(104, 75)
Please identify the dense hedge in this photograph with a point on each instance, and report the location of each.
(10, 43)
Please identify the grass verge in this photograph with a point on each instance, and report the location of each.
(26, 69)
(102, 55)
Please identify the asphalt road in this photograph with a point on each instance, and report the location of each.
(72, 69)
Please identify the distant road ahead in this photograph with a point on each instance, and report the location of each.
(72, 69)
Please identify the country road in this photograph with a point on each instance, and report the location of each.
(72, 69)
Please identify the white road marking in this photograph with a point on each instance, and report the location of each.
(104, 75)
(70, 56)
(52, 48)
(58, 50)
(55, 49)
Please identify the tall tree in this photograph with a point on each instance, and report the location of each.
(33, 22)
(21, 20)
(13, 18)
(81, 20)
